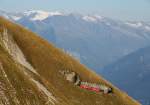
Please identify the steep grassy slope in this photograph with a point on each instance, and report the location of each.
(46, 85)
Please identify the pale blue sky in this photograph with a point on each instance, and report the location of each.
(118, 9)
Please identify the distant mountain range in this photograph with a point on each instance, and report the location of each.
(94, 40)
(132, 74)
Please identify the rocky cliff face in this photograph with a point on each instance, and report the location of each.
(30, 73)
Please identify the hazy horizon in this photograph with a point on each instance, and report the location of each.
(122, 10)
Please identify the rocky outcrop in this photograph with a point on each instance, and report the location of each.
(71, 76)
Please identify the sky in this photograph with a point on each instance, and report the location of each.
(117, 9)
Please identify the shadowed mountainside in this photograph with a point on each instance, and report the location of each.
(131, 74)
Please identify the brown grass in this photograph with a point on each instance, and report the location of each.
(49, 60)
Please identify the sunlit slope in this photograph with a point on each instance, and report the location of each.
(48, 61)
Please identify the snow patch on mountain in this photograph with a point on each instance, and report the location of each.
(147, 28)
(40, 15)
(99, 17)
(37, 15)
(135, 25)
(16, 18)
(55, 13)
(94, 18)
(89, 19)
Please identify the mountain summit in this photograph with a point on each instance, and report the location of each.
(40, 15)
(31, 73)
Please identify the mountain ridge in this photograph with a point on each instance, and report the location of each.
(94, 40)
(131, 71)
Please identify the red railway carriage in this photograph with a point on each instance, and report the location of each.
(88, 87)
(95, 87)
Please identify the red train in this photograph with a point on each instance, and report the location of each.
(95, 87)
